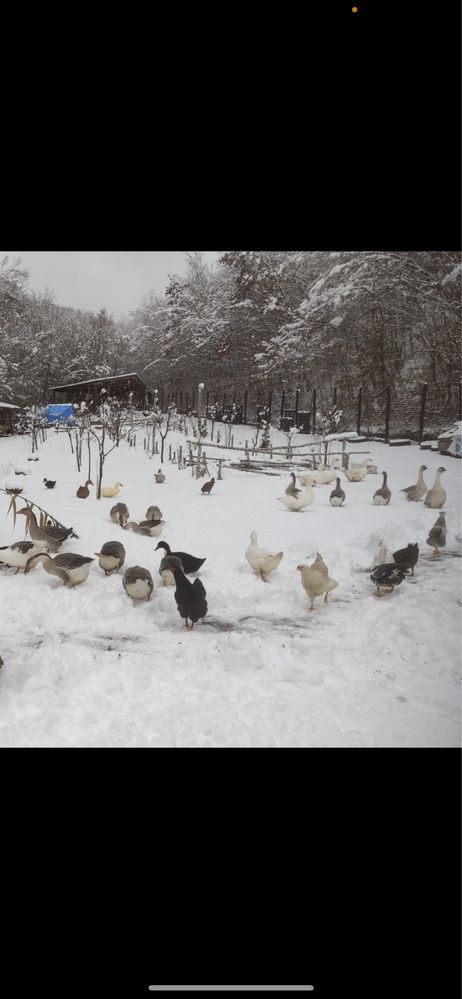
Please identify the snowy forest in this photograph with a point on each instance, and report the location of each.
(262, 321)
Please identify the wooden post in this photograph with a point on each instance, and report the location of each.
(219, 467)
(297, 396)
(234, 398)
(282, 407)
(358, 421)
(335, 397)
(207, 404)
(245, 406)
(224, 400)
(192, 407)
(387, 412)
(344, 455)
(314, 410)
(422, 411)
(187, 402)
(169, 452)
(269, 406)
(460, 400)
(180, 455)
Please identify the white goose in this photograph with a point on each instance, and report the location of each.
(358, 473)
(436, 496)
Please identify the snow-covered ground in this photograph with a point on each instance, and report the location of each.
(85, 667)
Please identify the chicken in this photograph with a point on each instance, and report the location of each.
(50, 484)
(159, 476)
(315, 581)
(190, 597)
(261, 560)
(416, 492)
(437, 536)
(207, 487)
(320, 566)
(407, 558)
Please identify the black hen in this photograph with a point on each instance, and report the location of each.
(189, 562)
(407, 558)
(190, 597)
(388, 575)
(49, 483)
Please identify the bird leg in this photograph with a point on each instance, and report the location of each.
(325, 598)
(435, 552)
(263, 577)
(312, 607)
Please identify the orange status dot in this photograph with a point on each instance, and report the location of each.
(355, 10)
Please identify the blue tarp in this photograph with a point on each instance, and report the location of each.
(59, 414)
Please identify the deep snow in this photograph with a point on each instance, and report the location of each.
(85, 667)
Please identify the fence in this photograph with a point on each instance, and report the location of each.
(420, 413)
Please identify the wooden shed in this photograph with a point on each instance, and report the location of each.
(93, 390)
(8, 414)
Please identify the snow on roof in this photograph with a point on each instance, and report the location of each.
(106, 378)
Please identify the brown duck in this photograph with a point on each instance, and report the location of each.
(83, 491)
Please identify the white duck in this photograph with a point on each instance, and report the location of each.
(436, 496)
(109, 491)
(305, 498)
(356, 474)
(323, 476)
(260, 559)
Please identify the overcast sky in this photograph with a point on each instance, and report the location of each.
(115, 280)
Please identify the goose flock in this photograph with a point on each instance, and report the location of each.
(387, 571)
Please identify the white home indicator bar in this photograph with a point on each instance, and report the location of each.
(231, 988)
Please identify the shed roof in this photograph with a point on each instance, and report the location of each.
(107, 378)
